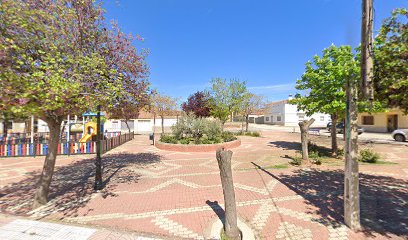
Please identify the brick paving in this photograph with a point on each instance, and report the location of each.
(178, 195)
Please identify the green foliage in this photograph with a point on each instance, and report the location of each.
(296, 161)
(368, 156)
(226, 97)
(228, 136)
(391, 60)
(251, 134)
(168, 139)
(323, 83)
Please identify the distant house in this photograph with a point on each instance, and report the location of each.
(286, 114)
(143, 124)
(383, 122)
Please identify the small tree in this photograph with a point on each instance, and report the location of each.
(198, 103)
(226, 98)
(324, 85)
(250, 104)
(163, 106)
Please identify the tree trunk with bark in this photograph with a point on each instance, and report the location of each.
(127, 124)
(247, 122)
(43, 187)
(230, 225)
(162, 124)
(333, 131)
(351, 181)
(154, 128)
(304, 138)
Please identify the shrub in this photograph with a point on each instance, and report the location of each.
(168, 139)
(185, 141)
(189, 126)
(296, 161)
(368, 156)
(252, 134)
(228, 136)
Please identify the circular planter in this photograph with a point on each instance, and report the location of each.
(197, 147)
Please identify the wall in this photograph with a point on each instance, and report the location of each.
(380, 121)
(276, 109)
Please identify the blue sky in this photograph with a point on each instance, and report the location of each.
(265, 43)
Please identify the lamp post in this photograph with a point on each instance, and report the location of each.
(98, 161)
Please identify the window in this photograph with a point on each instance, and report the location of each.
(267, 119)
(278, 118)
(321, 118)
(301, 116)
(145, 121)
(368, 120)
(271, 118)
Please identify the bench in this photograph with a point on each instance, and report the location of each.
(314, 131)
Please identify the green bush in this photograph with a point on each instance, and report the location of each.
(368, 156)
(190, 126)
(296, 161)
(252, 134)
(168, 139)
(185, 141)
(228, 136)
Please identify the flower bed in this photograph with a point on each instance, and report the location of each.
(197, 147)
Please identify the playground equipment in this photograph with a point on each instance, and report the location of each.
(90, 131)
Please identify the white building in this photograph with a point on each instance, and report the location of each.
(285, 114)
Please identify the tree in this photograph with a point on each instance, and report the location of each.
(224, 164)
(226, 97)
(391, 60)
(323, 84)
(250, 104)
(304, 138)
(136, 98)
(163, 106)
(198, 103)
(57, 58)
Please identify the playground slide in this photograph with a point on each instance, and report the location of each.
(90, 131)
(87, 137)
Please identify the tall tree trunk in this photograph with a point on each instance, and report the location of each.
(43, 187)
(98, 161)
(154, 128)
(162, 124)
(127, 125)
(304, 138)
(224, 164)
(242, 124)
(351, 181)
(333, 135)
(247, 122)
(5, 130)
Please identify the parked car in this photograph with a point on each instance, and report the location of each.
(400, 135)
(340, 128)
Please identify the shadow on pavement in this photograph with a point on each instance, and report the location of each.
(383, 200)
(72, 184)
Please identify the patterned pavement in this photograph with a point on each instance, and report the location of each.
(179, 195)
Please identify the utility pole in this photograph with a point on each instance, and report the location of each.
(367, 62)
(351, 181)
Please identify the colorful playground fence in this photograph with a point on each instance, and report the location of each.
(64, 148)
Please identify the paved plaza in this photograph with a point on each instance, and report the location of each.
(173, 195)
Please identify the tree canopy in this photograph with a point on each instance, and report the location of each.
(323, 82)
(226, 97)
(391, 60)
(198, 103)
